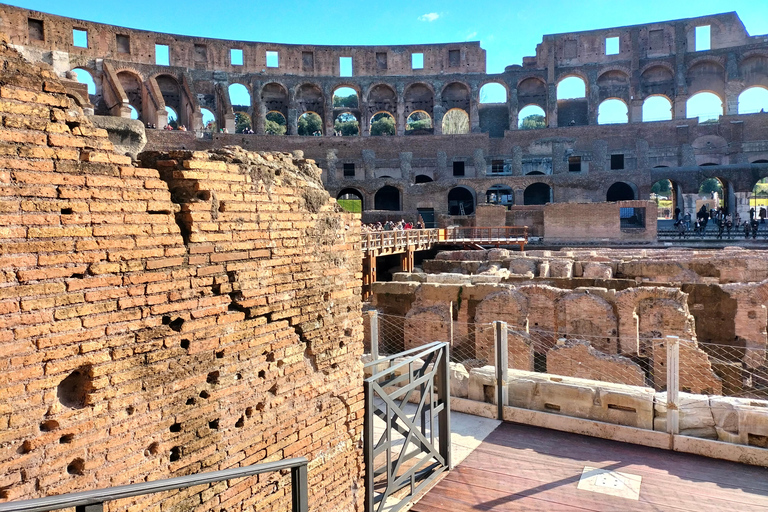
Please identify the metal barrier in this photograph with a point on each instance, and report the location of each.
(495, 235)
(398, 241)
(93, 501)
(419, 375)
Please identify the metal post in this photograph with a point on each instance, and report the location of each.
(368, 442)
(299, 484)
(444, 395)
(673, 385)
(502, 364)
(373, 318)
(450, 323)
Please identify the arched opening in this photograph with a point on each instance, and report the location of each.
(239, 96)
(532, 91)
(169, 87)
(84, 77)
(132, 86)
(711, 193)
(493, 92)
(310, 98)
(422, 178)
(535, 173)
(657, 108)
(572, 104)
(382, 123)
(657, 80)
(209, 120)
(419, 98)
(345, 97)
(351, 200)
(460, 202)
(759, 199)
(537, 193)
(418, 123)
(753, 100)
(134, 112)
(612, 111)
(387, 198)
(274, 97)
(382, 98)
(173, 118)
(346, 124)
(707, 106)
(455, 122)
(531, 117)
(620, 191)
(274, 123)
(664, 194)
(571, 87)
(243, 123)
(500, 194)
(310, 124)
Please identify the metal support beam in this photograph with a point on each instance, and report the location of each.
(502, 365)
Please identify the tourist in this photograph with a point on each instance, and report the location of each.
(762, 215)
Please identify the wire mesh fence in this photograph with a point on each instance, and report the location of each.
(703, 368)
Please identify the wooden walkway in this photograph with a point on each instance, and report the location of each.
(524, 468)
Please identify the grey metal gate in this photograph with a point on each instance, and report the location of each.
(407, 424)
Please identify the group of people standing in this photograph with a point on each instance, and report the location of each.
(389, 225)
(722, 219)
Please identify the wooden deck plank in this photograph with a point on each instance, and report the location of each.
(520, 467)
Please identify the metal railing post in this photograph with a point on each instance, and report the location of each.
(299, 489)
(502, 364)
(373, 318)
(673, 385)
(450, 324)
(368, 446)
(444, 395)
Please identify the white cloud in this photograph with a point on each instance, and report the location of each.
(430, 16)
(471, 35)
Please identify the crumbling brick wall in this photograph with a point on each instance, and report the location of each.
(199, 312)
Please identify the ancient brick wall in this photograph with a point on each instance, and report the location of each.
(195, 313)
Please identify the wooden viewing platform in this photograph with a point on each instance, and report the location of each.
(408, 242)
(520, 467)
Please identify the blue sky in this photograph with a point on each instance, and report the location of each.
(508, 30)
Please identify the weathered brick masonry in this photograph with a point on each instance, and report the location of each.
(196, 313)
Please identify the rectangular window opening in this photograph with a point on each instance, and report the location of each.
(162, 55)
(381, 60)
(417, 61)
(497, 166)
(349, 170)
(236, 57)
(454, 58)
(458, 168)
(273, 59)
(703, 38)
(80, 38)
(617, 162)
(632, 218)
(123, 43)
(35, 29)
(574, 164)
(611, 45)
(345, 66)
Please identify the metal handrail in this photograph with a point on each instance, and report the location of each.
(480, 234)
(298, 467)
